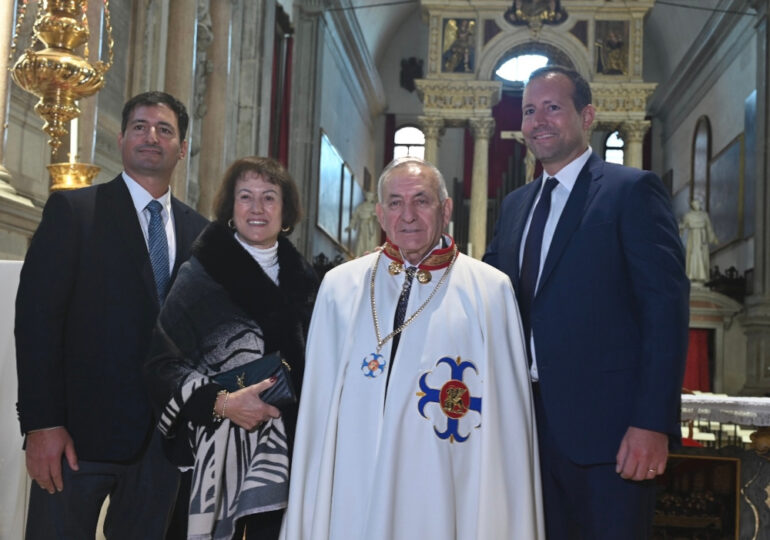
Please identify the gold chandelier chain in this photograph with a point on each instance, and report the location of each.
(21, 11)
(110, 43)
(84, 22)
(407, 322)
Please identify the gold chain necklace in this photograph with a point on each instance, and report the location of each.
(407, 322)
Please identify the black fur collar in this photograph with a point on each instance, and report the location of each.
(247, 285)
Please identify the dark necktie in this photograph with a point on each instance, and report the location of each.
(398, 318)
(158, 248)
(530, 262)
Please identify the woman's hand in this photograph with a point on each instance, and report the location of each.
(244, 407)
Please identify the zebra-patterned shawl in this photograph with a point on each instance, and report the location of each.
(222, 312)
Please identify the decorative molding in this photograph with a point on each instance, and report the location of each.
(721, 41)
(352, 56)
(453, 99)
(620, 102)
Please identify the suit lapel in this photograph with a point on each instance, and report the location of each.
(583, 192)
(124, 219)
(520, 212)
(185, 234)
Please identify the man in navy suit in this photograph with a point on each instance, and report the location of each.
(88, 298)
(598, 270)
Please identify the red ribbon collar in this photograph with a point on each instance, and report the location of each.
(439, 258)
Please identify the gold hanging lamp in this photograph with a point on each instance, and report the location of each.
(59, 76)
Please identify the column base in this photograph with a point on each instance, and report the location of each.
(756, 325)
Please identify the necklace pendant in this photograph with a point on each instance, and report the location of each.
(424, 276)
(395, 268)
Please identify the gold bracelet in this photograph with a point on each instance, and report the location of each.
(214, 414)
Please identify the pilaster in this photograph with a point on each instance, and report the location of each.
(757, 319)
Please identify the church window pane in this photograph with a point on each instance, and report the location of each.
(614, 148)
(409, 141)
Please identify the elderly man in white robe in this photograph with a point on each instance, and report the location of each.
(416, 417)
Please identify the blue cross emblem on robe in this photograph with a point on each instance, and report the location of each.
(454, 398)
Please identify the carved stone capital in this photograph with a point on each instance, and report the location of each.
(432, 126)
(456, 99)
(634, 131)
(482, 128)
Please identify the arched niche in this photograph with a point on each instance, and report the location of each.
(562, 44)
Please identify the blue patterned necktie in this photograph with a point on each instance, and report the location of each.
(158, 247)
(530, 262)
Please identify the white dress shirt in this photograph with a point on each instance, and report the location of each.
(566, 177)
(141, 197)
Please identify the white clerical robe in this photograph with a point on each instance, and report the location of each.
(383, 461)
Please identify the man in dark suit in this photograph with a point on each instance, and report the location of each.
(88, 298)
(598, 268)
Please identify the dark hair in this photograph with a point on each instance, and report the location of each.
(148, 99)
(581, 93)
(272, 171)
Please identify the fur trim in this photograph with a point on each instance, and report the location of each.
(281, 311)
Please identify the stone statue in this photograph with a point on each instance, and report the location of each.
(364, 222)
(529, 158)
(700, 234)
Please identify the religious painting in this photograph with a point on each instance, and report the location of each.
(611, 42)
(698, 498)
(458, 46)
(725, 190)
(329, 189)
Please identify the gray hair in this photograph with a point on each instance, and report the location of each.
(387, 172)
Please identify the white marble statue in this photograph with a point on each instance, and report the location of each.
(700, 235)
(364, 222)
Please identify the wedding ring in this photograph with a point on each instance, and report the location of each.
(651, 470)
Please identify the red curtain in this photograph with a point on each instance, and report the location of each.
(696, 373)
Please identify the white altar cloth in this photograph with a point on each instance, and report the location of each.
(13, 474)
(746, 411)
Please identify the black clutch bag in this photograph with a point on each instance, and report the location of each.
(272, 365)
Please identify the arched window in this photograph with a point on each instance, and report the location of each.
(614, 148)
(409, 141)
(518, 68)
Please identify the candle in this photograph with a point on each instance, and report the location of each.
(73, 140)
(451, 229)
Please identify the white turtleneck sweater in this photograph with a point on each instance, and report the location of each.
(266, 258)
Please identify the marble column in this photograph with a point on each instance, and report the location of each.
(433, 128)
(756, 322)
(482, 129)
(180, 79)
(633, 133)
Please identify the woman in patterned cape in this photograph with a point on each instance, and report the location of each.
(246, 292)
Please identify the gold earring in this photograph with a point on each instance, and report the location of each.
(230, 223)
(285, 229)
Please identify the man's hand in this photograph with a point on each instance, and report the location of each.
(44, 451)
(642, 454)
